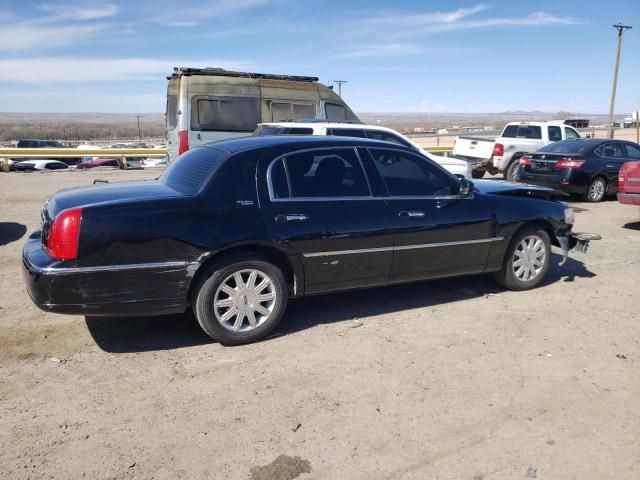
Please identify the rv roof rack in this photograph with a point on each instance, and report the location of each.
(187, 71)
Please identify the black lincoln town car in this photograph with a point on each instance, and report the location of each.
(233, 229)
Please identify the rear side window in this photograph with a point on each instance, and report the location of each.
(409, 175)
(611, 150)
(282, 111)
(172, 111)
(346, 132)
(192, 170)
(522, 131)
(266, 131)
(334, 111)
(555, 134)
(228, 114)
(328, 173)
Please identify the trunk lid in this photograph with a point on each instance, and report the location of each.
(545, 163)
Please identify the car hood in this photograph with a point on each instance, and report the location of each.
(498, 187)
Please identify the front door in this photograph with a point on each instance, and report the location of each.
(436, 232)
(320, 204)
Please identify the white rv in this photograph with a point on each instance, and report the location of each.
(212, 104)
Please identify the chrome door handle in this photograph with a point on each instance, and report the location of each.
(409, 215)
(292, 217)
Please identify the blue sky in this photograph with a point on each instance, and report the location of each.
(409, 56)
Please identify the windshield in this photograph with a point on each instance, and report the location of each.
(192, 170)
(566, 146)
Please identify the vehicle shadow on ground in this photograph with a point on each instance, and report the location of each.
(632, 225)
(11, 231)
(143, 334)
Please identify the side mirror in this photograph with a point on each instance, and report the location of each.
(466, 188)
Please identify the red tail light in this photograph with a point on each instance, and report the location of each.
(570, 163)
(498, 150)
(64, 235)
(525, 161)
(183, 141)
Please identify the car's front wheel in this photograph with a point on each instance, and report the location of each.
(241, 301)
(526, 261)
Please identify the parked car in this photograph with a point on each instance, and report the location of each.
(37, 143)
(629, 183)
(587, 167)
(235, 228)
(501, 155)
(106, 163)
(211, 104)
(39, 165)
(459, 168)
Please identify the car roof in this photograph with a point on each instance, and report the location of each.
(348, 125)
(297, 141)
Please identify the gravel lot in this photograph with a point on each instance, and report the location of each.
(452, 379)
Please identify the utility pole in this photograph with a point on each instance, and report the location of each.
(139, 132)
(340, 82)
(621, 28)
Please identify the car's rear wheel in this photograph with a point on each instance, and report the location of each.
(510, 172)
(526, 261)
(596, 190)
(241, 301)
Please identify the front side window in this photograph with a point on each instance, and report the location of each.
(284, 111)
(336, 112)
(571, 134)
(632, 151)
(555, 134)
(228, 114)
(328, 173)
(346, 132)
(408, 175)
(387, 137)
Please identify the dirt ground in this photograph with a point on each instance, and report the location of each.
(454, 379)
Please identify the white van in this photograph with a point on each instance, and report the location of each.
(212, 104)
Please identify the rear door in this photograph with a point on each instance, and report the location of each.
(436, 233)
(613, 154)
(321, 206)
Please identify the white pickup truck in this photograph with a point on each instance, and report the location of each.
(517, 138)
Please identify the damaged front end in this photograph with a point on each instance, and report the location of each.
(574, 241)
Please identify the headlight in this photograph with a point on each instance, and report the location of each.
(569, 217)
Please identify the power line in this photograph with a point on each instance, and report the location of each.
(340, 82)
(621, 28)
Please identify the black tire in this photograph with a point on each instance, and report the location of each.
(478, 173)
(507, 276)
(207, 314)
(509, 173)
(596, 190)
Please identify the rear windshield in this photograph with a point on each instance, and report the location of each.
(277, 130)
(566, 146)
(192, 170)
(522, 131)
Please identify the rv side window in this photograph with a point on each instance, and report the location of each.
(337, 112)
(281, 111)
(230, 114)
(172, 111)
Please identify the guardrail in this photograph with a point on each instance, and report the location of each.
(444, 150)
(122, 153)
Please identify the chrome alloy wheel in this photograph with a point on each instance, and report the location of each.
(528, 258)
(597, 189)
(244, 300)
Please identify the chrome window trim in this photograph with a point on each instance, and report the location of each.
(105, 268)
(306, 199)
(402, 247)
